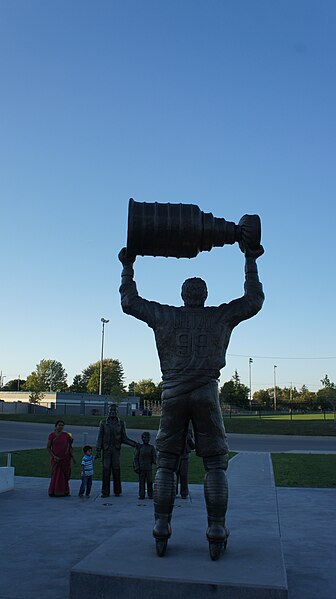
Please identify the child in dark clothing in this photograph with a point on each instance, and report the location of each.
(86, 471)
(144, 458)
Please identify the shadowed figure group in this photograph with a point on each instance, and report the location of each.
(191, 341)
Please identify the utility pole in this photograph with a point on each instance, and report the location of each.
(290, 400)
(2, 377)
(275, 389)
(250, 378)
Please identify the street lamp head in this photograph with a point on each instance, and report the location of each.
(104, 320)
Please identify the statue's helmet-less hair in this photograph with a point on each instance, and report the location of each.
(194, 292)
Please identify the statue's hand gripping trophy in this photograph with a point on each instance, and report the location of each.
(189, 376)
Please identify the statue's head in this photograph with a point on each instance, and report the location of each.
(194, 292)
(145, 437)
(113, 411)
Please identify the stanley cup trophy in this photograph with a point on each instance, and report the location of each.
(191, 341)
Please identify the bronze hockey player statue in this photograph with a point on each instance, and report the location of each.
(191, 341)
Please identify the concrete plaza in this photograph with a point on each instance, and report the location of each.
(43, 539)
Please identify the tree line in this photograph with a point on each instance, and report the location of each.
(236, 394)
(50, 375)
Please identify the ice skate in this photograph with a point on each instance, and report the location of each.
(217, 536)
(161, 533)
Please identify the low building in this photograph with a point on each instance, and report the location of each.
(83, 404)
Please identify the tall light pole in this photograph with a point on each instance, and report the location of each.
(250, 378)
(290, 400)
(2, 377)
(104, 322)
(275, 391)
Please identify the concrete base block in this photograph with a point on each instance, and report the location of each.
(6, 478)
(126, 566)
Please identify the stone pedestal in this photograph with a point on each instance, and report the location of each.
(126, 566)
(6, 478)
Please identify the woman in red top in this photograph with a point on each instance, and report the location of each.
(61, 451)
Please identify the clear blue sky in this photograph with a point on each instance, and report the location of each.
(226, 104)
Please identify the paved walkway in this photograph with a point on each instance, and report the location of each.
(42, 538)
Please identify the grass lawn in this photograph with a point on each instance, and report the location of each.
(36, 462)
(304, 470)
(296, 417)
(290, 470)
(281, 425)
(302, 424)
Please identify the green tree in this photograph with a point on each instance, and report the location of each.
(305, 395)
(14, 385)
(327, 399)
(35, 397)
(34, 383)
(113, 378)
(131, 388)
(263, 398)
(78, 384)
(288, 397)
(235, 393)
(146, 389)
(327, 384)
(49, 375)
(304, 399)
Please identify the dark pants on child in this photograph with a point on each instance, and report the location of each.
(85, 486)
(145, 475)
(182, 477)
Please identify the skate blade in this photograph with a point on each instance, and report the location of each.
(161, 546)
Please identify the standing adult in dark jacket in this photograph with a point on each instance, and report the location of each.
(112, 433)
